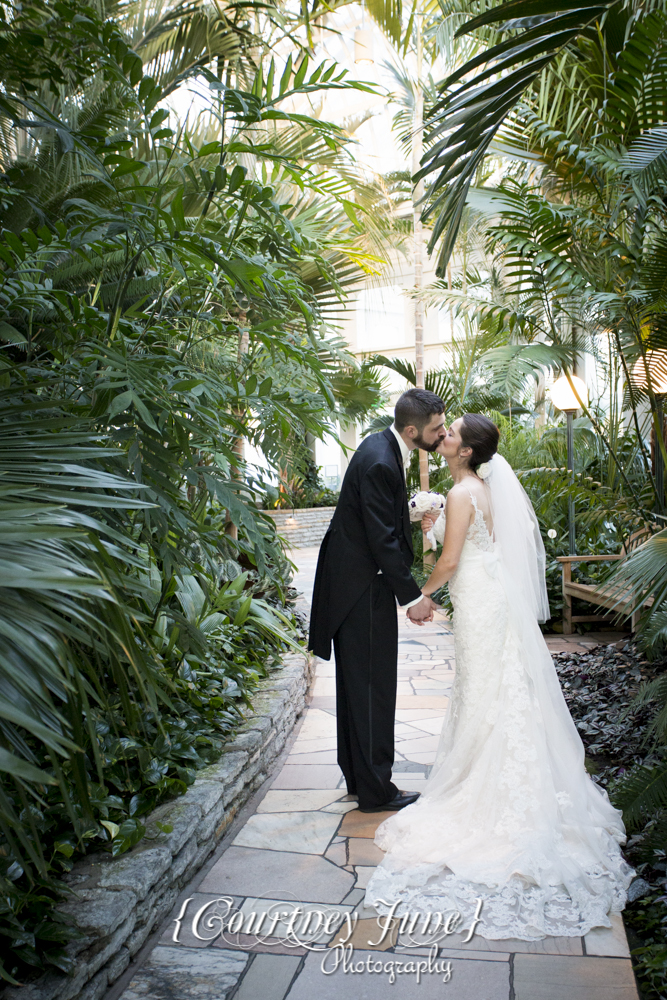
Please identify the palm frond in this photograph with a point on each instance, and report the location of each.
(388, 15)
(464, 122)
(509, 366)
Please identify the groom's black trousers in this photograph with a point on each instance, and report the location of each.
(366, 648)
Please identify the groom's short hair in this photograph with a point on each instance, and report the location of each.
(415, 408)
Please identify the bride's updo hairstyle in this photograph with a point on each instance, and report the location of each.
(480, 434)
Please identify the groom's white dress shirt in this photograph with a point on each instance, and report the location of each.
(405, 451)
(405, 455)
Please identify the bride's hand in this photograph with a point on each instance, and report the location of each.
(428, 520)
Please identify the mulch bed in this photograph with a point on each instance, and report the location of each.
(599, 686)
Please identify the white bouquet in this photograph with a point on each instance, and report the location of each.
(425, 502)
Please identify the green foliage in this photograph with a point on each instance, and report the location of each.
(573, 260)
(529, 36)
(456, 386)
(647, 919)
(163, 293)
(303, 491)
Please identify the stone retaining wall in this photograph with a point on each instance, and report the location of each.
(118, 902)
(302, 527)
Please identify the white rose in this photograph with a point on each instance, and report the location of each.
(483, 470)
(423, 501)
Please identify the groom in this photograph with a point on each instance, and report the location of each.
(362, 571)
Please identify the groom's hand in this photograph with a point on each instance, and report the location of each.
(423, 611)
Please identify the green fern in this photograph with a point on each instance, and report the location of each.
(641, 793)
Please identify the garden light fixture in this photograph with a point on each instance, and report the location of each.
(363, 47)
(563, 398)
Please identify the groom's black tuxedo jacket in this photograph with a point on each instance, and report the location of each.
(370, 530)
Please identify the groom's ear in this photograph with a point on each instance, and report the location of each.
(411, 431)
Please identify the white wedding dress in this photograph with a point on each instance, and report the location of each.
(509, 814)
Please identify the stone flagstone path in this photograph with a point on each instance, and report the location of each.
(299, 856)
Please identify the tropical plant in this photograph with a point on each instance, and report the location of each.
(164, 287)
(574, 260)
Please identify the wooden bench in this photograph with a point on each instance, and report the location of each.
(606, 596)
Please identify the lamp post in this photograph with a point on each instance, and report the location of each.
(659, 464)
(656, 362)
(563, 398)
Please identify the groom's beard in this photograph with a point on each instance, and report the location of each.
(419, 441)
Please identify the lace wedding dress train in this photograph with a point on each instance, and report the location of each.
(509, 814)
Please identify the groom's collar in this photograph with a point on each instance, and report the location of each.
(405, 451)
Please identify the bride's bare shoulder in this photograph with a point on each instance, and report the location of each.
(458, 497)
(461, 493)
(464, 488)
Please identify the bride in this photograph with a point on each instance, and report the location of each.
(509, 815)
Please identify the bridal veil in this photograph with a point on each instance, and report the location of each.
(517, 532)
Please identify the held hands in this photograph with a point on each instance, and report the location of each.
(422, 612)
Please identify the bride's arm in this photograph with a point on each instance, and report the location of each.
(458, 522)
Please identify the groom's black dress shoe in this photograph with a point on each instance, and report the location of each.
(398, 802)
